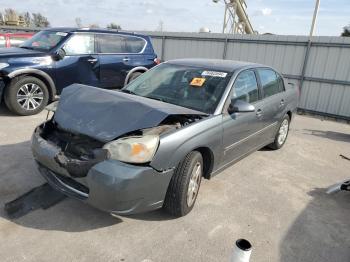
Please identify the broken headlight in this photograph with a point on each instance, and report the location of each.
(133, 149)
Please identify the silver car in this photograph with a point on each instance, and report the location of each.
(149, 145)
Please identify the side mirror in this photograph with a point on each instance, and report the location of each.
(59, 54)
(240, 106)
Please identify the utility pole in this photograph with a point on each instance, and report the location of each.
(314, 19)
(308, 48)
(236, 20)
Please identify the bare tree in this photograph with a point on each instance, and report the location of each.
(2, 19)
(94, 26)
(11, 17)
(346, 31)
(114, 26)
(160, 27)
(39, 20)
(27, 19)
(78, 22)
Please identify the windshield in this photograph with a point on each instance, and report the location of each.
(44, 40)
(192, 87)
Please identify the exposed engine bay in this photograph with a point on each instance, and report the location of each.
(78, 153)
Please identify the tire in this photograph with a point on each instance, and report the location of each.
(184, 185)
(134, 76)
(283, 130)
(33, 91)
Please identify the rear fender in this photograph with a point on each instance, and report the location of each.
(135, 69)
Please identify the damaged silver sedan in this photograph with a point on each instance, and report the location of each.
(148, 145)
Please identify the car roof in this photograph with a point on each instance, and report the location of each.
(215, 64)
(91, 30)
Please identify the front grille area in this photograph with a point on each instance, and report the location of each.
(72, 183)
(65, 184)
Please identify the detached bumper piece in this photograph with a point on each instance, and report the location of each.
(65, 185)
(43, 197)
(344, 186)
(80, 168)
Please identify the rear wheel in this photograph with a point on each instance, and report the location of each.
(184, 185)
(282, 134)
(134, 76)
(26, 95)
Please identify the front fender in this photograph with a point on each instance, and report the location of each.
(174, 147)
(36, 72)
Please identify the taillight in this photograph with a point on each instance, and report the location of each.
(157, 61)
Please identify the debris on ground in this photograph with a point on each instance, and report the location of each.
(43, 196)
(344, 157)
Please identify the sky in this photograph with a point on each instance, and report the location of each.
(284, 17)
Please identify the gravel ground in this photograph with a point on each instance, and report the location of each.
(275, 199)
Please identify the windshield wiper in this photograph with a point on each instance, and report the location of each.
(27, 47)
(128, 91)
(156, 98)
(133, 93)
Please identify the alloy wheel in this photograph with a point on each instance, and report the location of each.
(30, 96)
(283, 131)
(193, 185)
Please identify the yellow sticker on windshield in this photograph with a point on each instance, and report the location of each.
(197, 81)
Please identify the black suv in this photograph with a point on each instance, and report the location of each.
(34, 73)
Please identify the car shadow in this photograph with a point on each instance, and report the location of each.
(321, 232)
(18, 175)
(337, 136)
(4, 111)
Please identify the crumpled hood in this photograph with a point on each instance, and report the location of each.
(106, 115)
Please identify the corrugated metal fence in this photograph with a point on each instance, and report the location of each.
(321, 67)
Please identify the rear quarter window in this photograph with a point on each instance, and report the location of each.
(134, 44)
(280, 83)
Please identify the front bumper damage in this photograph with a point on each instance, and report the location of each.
(106, 184)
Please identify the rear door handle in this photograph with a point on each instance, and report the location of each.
(92, 60)
(282, 103)
(259, 113)
(126, 59)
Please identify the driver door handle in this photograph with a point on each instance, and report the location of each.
(259, 113)
(92, 60)
(126, 59)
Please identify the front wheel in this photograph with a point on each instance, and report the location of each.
(26, 95)
(282, 134)
(184, 185)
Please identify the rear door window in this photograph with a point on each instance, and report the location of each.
(111, 44)
(134, 44)
(246, 87)
(80, 44)
(269, 81)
